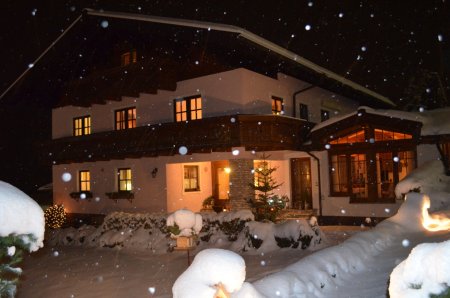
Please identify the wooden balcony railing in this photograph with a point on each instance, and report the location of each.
(254, 132)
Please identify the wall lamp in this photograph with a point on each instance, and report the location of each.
(154, 172)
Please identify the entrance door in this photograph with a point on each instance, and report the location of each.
(221, 182)
(301, 183)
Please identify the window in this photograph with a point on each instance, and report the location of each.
(304, 114)
(191, 179)
(324, 115)
(82, 126)
(128, 58)
(356, 137)
(369, 176)
(125, 118)
(277, 105)
(189, 108)
(84, 180)
(387, 135)
(124, 179)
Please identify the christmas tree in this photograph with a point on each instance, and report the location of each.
(266, 204)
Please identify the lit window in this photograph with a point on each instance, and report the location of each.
(277, 105)
(189, 108)
(304, 114)
(355, 174)
(124, 179)
(387, 135)
(125, 118)
(324, 115)
(128, 58)
(82, 126)
(84, 178)
(191, 178)
(356, 137)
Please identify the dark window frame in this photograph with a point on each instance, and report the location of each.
(324, 115)
(190, 109)
(196, 178)
(303, 111)
(126, 120)
(371, 171)
(84, 129)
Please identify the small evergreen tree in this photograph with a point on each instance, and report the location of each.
(11, 254)
(266, 205)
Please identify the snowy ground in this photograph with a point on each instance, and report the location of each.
(103, 272)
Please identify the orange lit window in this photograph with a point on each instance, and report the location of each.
(84, 181)
(125, 118)
(128, 58)
(356, 137)
(189, 108)
(82, 126)
(277, 105)
(125, 179)
(191, 178)
(387, 135)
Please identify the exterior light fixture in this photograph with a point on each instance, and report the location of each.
(227, 170)
(154, 172)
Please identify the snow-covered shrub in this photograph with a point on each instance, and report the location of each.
(22, 227)
(221, 230)
(184, 222)
(267, 236)
(429, 179)
(425, 272)
(212, 271)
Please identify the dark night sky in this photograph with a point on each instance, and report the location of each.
(382, 45)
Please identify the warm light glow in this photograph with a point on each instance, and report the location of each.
(227, 170)
(433, 223)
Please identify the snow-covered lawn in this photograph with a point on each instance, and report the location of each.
(349, 262)
(104, 272)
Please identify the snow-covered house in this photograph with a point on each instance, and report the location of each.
(160, 132)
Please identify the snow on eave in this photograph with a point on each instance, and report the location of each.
(247, 35)
(434, 122)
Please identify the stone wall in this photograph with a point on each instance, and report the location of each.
(241, 177)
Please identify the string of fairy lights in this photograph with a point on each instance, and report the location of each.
(55, 216)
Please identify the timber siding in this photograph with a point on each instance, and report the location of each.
(216, 134)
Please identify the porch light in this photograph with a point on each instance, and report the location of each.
(227, 170)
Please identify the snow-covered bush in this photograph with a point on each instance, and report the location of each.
(184, 222)
(212, 271)
(22, 228)
(267, 236)
(429, 179)
(223, 230)
(425, 272)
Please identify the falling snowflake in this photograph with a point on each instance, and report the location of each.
(104, 24)
(183, 150)
(440, 37)
(263, 263)
(235, 152)
(405, 242)
(66, 177)
(363, 48)
(327, 146)
(151, 290)
(307, 27)
(341, 15)
(396, 159)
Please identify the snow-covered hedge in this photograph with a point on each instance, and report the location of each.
(232, 230)
(426, 271)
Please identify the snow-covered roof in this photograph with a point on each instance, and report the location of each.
(250, 37)
(435, 122)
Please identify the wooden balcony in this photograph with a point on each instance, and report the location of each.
(220, 134)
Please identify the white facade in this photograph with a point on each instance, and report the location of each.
(239, 91)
